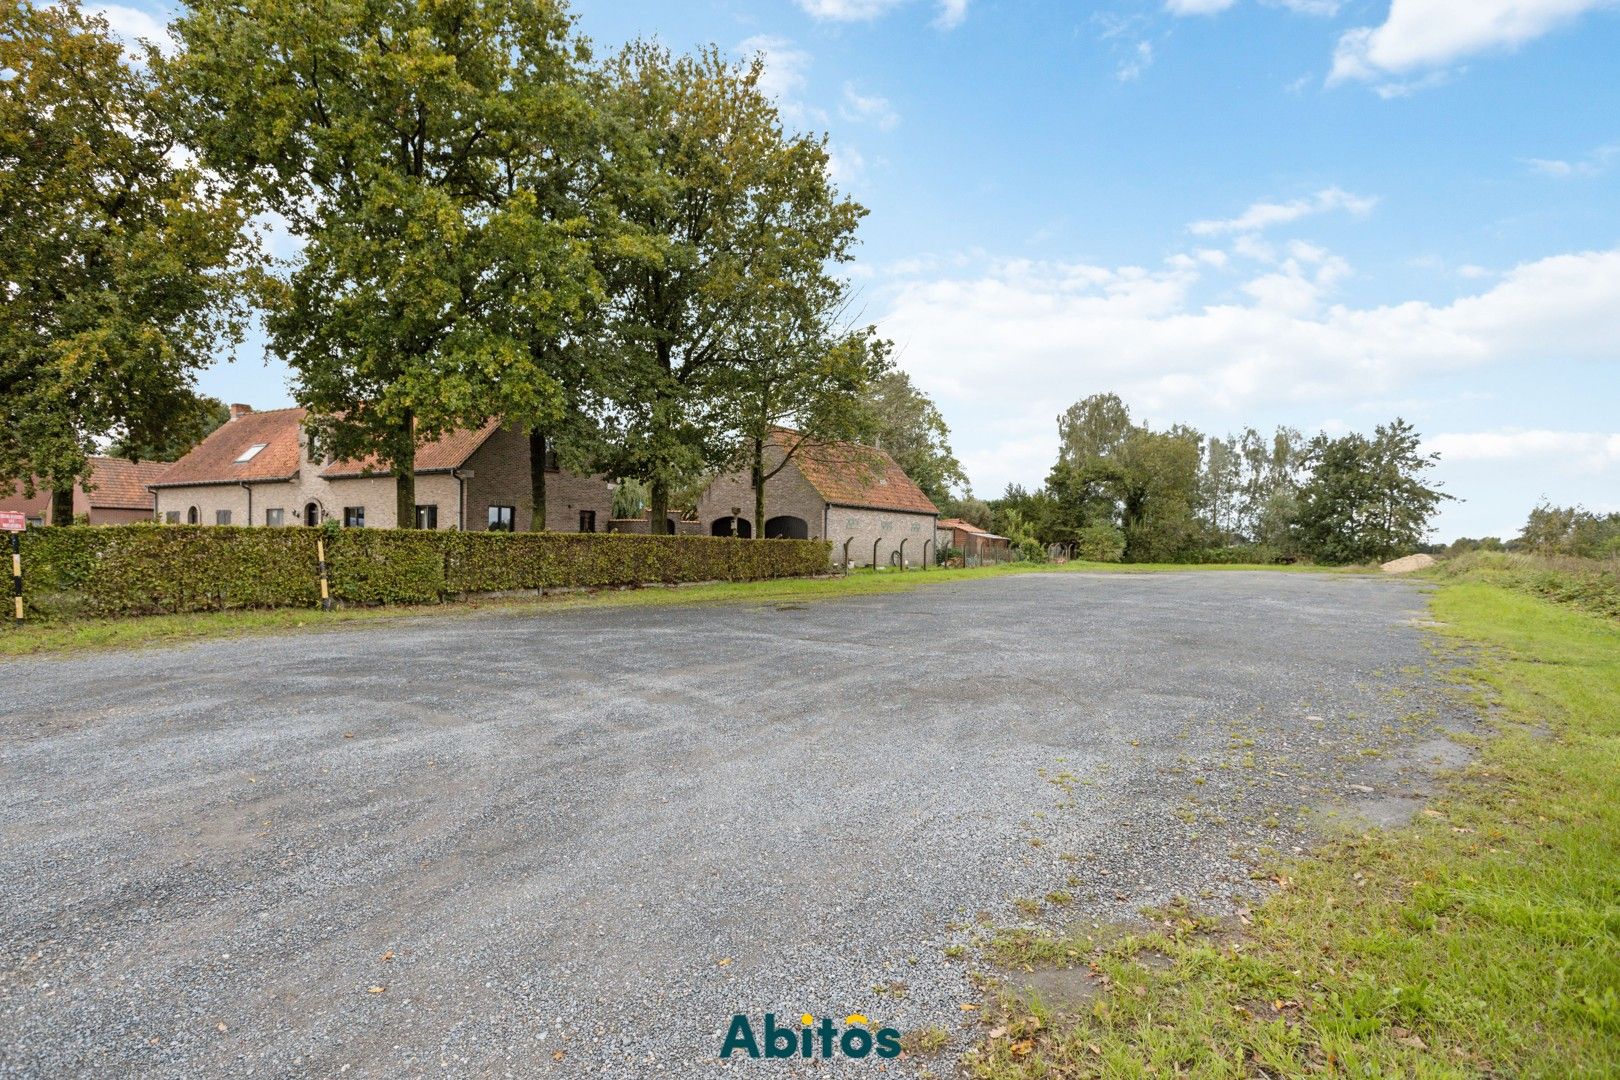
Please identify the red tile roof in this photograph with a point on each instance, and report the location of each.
(848, 474)
(120, 484)
(449, 451)
(214, 460)
(968, 527)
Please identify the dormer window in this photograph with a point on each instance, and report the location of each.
(251, 452)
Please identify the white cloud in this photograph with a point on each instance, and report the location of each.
(845, 164)
(132, 26)
(1594, 164)
(950, 13)
(1584, 451)
(786, 67)
(1262, 215)
(1135, 62)
(1325, 8)
(1197, 7)
(1067, 329)
(848, 10)
(1421, 34)
(868, 109)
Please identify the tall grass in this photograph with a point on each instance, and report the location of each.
(1588, 584)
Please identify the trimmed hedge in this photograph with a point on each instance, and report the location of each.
(80, 571)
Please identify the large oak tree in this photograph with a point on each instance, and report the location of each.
(390, 137)
(723, 223)
(122, 264)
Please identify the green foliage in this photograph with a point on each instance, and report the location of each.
(399, 142)
(1589, 584)
(188, 425)
(901, 420)
(629, 499)
(971, 510)
(141, 569)
(122, 266)
(1569, 530)
(723, 224)
(1365, 499)
(150, 569)
(1100, 542)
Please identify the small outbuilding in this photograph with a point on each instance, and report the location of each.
(118, 494)
(855, 496)
(976, 545)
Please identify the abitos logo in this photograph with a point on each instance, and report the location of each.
(809, 1038)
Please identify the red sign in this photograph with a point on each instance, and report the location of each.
(13, 521)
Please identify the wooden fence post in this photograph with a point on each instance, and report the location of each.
(326, 589)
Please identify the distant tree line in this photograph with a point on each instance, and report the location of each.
(1121, 490)
(629, 257)
(1551, 530)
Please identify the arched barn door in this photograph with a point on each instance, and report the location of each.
(787, 528)
(722, 527)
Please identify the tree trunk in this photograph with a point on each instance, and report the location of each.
(405, 478)
(62, 505)
(658, 513)
(537, 479)
(758, 479)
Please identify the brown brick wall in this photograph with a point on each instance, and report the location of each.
(786, 493)
(500, 477)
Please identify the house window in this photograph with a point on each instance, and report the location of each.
(501, 518)
(191, 516)
(550, 460)
(275, 517)
(427, 517)
(312, 514)
(587, 521)
(251, 452)
(222, 517)
(354, 517)
(171, 517)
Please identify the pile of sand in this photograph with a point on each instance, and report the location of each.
(1408, 564)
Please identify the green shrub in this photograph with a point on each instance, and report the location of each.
(1100, 543)
(85, 571)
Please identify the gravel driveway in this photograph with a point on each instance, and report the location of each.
(576, 842)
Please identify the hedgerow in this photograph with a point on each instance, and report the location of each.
(84, 571)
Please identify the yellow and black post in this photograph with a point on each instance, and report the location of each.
(326, 589)
(16, 576)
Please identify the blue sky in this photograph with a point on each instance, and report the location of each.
(1322, 213)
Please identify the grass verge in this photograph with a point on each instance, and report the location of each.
(58, 637)
(1482, 939)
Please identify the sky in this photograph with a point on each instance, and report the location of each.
(1318, 213)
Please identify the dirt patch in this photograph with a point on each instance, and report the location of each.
(1408, 564)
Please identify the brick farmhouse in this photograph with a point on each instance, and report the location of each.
(118, 493)
(836, 491)
(257, 469)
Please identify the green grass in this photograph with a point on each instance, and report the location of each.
(67, 636)
(1589, 584)
(1482, 939)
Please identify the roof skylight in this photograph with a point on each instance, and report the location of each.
(251, 452)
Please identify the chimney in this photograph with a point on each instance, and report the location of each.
(239, 410)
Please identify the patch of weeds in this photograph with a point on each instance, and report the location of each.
(925, 1042)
